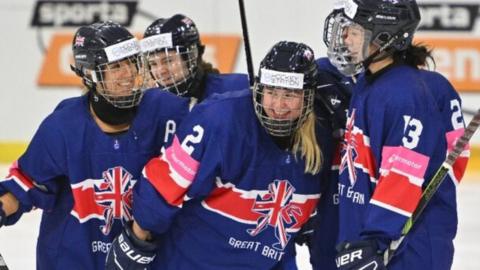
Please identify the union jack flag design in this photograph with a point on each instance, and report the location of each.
(277, 211)
(79, 41)
(106, 199)
(349, 150)
(116, 194)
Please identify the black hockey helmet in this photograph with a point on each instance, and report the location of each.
(289, 66)
(388, 24)
(100, 48)
(183, 29)
(177, 35)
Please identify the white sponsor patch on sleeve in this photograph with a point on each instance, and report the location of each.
(122, 50)
(282, 79)
(156, 42)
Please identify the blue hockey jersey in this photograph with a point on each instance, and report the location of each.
(322, 247)
(391, 149)
(450, 106)
(221, 83)
(223, 195)
(82, 178)
(325, 227)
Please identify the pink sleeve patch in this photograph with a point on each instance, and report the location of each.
(181, 162)
(404, 160)
(453, 136)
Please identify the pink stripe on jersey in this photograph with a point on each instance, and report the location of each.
(182, 163)
(460, 164)
(404, 160)
(453, 136)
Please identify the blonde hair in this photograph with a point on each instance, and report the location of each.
(305, 143)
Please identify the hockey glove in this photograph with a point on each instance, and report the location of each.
(130, 253)
(332, 104)
(360, 255)
(305, 235)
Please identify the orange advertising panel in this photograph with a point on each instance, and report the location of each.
(221, 51)
(458, 59)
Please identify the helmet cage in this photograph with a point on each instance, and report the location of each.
(346, 56)
(281, 127)
(121, 82)
(162, 60)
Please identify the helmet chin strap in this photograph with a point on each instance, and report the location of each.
(385, 48)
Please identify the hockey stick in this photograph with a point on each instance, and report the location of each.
(434, 183)
(246, 42)
(3, 265)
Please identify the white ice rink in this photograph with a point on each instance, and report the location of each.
(17, 243)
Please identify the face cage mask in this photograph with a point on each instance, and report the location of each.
(347, 43)
(121, 82)
(283, 127)
(174, 69)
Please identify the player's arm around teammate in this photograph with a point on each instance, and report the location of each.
(239, 180)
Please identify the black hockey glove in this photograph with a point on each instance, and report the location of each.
(130, 253)
(360, 255)
(332, 99)
(305, 235)
(3, 216)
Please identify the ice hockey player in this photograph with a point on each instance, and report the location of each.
(86, 156)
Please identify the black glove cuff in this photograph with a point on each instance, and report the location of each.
(146, 246)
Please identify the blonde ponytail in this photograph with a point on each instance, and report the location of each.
(305, 143)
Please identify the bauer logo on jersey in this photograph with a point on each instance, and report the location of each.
(276, 211)
(106, 199)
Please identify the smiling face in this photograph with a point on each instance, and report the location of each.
(119, 78)
(121, 82)
(282, 104)
(167, 67)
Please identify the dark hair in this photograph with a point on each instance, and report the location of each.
(416, 55)
(207, 67)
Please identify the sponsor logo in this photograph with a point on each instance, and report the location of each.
(281, 79)
(385, 17)
(448, 17)
(131, 253)
(78, 13)
(458, 59)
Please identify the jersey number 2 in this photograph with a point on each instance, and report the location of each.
(196, 137)
(457, 119)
